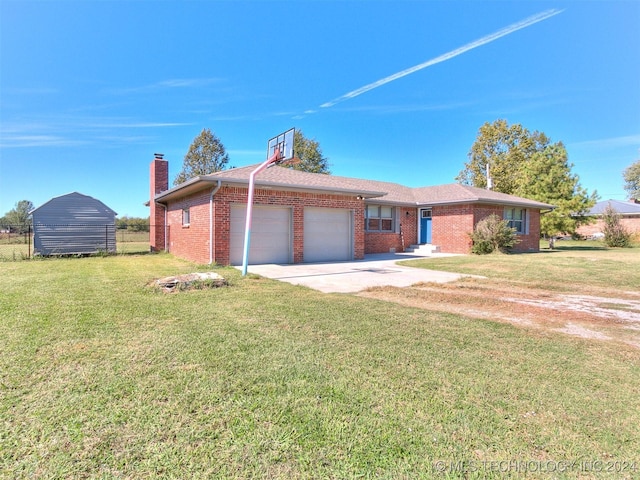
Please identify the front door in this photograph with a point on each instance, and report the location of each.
(425, 225)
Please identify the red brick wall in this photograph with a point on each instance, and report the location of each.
(450, 227)
(632, 224)
(452, 224)
(192, 242)
(159, 174)
(383, 242)
(531, 241)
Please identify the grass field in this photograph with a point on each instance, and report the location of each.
(102, 376)
(572, 266)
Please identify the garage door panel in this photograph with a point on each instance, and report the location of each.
(270, 235)
(328, 234)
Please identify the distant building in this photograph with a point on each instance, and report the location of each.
(73, 224)
(628, 211)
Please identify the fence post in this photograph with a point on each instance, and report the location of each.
(29, 241)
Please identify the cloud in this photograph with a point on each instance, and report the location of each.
(73, 132)
(390, 109)
(24, 141)
(447, 56)
(140, 125)
(613, 142)
(168, 84)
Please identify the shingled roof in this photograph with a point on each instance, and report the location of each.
(383, 192)
(624, 208)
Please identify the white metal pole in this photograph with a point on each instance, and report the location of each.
(247, 225)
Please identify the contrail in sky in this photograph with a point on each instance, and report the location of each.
(453, 53)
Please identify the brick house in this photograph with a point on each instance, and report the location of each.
(629, 217)
(309, 217)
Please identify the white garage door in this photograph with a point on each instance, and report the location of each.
(270, 235)
(328, 234)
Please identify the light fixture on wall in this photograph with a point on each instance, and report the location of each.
(359, 197)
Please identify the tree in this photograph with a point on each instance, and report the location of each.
(615, 235)
(502, 148)
(631, 177)
(133, 224)
(547, 177)
(527, 164)
(310, 154)
(206, 155)
(19, 218)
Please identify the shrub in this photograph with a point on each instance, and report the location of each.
(615, 235)
(492, 234)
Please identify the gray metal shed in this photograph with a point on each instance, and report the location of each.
(73, 224)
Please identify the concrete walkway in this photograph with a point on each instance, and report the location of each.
(348, 277)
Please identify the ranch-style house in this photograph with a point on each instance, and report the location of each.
(310, 217)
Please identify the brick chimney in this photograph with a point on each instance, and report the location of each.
(159, 182)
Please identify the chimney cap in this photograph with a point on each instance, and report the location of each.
(159, 156)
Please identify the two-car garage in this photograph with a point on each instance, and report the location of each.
(327, 234)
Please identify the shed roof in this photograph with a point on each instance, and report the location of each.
(624, 208)
(382, 192)
(75, 198)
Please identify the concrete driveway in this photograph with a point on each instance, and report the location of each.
(348, 277)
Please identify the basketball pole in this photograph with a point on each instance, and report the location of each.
(247, 227)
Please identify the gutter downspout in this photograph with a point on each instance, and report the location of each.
(213, 192)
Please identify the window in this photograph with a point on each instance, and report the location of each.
(186, 217)
(380, 218)
(517, 219)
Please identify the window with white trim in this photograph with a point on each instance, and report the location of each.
(517, 219)
(380, 218)
(186, 217)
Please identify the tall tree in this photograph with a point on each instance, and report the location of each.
(527, 164)
(500, 148)
(206, 155)
(18, 218)
(310, 155)
(547, 177)
(631, 177)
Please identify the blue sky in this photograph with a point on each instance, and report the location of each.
(90, 90)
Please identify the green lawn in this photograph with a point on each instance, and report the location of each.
(104, 377)
(572, 266)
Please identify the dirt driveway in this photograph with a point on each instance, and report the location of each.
(612, 316)
(599, 314)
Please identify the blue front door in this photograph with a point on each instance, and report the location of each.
(425, 226)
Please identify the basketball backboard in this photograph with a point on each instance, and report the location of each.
(283, 143)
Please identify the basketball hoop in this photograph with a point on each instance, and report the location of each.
(279, 149)
(282, 145)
